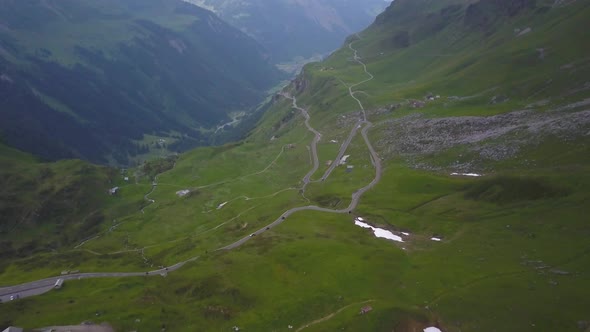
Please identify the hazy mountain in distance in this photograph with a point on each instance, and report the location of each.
(292, 28)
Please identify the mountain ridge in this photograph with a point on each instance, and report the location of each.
(125, 70)
(292, 29)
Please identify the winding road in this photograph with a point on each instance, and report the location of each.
(355, 197)
(314, 143)
(44, 285)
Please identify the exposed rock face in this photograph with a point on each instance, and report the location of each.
(485, 13)
(300, 83)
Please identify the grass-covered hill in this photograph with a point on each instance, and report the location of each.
(44, 205)
(105, 80)
(521, 51)
(505, 251)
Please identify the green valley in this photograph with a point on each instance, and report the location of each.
(293, 31)
(114, 82)
(459, 130)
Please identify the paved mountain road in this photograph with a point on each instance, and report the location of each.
(314, 144)
(357, 194)
(45, 285)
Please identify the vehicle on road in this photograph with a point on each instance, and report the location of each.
(58, 283)
(251, 235)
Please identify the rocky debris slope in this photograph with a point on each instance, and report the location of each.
(491, 138)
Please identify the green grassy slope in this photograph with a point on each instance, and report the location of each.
(454, 58)
(513, 254)
(45, 206)
(92, 80)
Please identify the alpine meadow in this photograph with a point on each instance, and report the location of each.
(430, 174)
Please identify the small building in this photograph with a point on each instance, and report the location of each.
(366, 309)
(343, 160)
(113, 191)
(126, 178)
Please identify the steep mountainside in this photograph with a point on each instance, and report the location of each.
(91, 79)
(48, 205)
(297, 28)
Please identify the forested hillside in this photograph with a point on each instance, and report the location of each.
(106, 81)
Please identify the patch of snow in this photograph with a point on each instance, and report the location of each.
(432, 329)
(201, 3)
(333, 141)
(466, 174)
(378, 232)
(362, 224)
(405, 233)
(436, 239)
(386, 235)
(182, 193)
(6, 78)
(221, 205)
